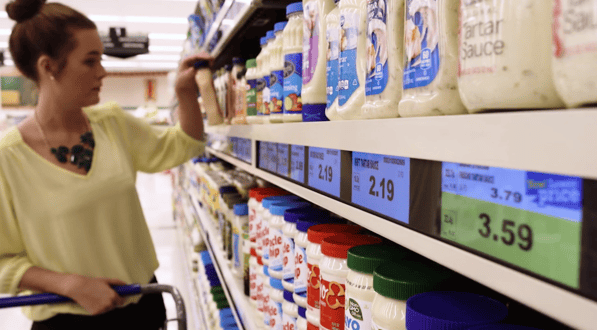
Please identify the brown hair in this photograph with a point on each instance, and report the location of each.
(43, 29)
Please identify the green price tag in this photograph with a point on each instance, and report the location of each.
(531, 220)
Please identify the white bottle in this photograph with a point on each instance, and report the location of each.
(266, 297)
(239, 226)
(385, 54)
(332, 65)
(276, 224)
(293, 62)
(238, 66)
(314, 59)
(501, 68)
(290, 312)
(276, 301)
(276, 89)
(430, 85)
(261, 83)
(266, 71)
(252, 92)
(353, 58)
(301, 322)
(574, 54)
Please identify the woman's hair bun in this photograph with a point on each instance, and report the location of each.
(22, 10)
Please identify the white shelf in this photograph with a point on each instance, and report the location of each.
(239, 20)
(562, 305)
(233, 286)
(215, 25)
(551, 141)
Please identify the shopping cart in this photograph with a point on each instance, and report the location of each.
(124, 290)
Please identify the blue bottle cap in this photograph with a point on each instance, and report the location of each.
(201, 64)
(205, 258)
(499, 326)
(281, 207)
(303, 224)
(452, 310)
(266, 271)
(279, 26)
(263, 41)
(294, 7)
(241, 209)
(269, 201)
(302, 312)
(293, 215)
(270, 35)
(288, 296)
(226, 311)
(276, 283)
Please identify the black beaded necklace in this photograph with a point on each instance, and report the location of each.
(79, 154)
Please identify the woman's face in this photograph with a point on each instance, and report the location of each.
(81, 79)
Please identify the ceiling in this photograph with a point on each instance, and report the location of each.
(164, 20)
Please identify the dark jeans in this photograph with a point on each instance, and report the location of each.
(148, 314)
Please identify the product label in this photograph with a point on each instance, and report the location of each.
(348, 81)
(332, 69)
(275, 250)
(252, 221)
(253, 282)
(575, 24)
(275, 316)
(311, 36)
(313, 284)
(333, 290)
(265, 297)
(259, 295)
(289, 322)
(377, 48)
(293, 83)
(236, 246)
(288, 258)
(276, 92)
(259, 233)
(266, 96)
(251, 97)
(301, 271)
(481, 36)
(312, 326)
(357, 313)
(265, 239)
(259, 87)
(421, 51)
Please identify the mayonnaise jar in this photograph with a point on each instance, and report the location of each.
(276, 90)
(314, 59)
(353, 58)
(301, 321)
(385, 53)
(332, 69)
(276, 301)
(290, 312)
(430, 85)
(266, 71)
(293, 63)
(276, 224)
(260, 284)
(239, 225)
(260, 83)
(266, 297)
(505, 55)
(263, 238)
(574, 61)
(251, 91)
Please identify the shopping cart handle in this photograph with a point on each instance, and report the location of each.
(49, 298)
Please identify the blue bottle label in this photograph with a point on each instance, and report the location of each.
(421, 43)
(266, 96)
(293, 83)
(333, 38)
(377, 48)
(236, 246)
(349, 81)
(251, 97)
(276, 92)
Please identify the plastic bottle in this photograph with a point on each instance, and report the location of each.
(276, 301)
(452, 310)
(395, 282)
(247, 264)
(277, 75)
(430, 85)
(290, 312)
(501, 326)
(353, 58)
(314, 58)
(263, 235)
(240, 91)
(334, 270)
(293, 63)
(256, 196)
(332, 69)
(301, 322)
(362, 261)
(266, 297)
(500, 68)
(228, 232)
(316, 235)
(239, 227)
(261, 292)
(252, 91)
(253, 278)
(260, 82)
(385, 54)
(225, 88)
(266, 72)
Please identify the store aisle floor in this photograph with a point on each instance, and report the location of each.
(155, 193)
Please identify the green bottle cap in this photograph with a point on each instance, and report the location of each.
(252, 63)
(366, 258)
(404, 279)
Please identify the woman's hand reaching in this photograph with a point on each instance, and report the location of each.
(186, 85)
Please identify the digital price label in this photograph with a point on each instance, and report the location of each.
(272, 152)
(297, 163)
(382, 184)
(532, 220)
(247, 147)
(235, 145)
(324, 170)
(283, 164)
(263, 156)
(241, 148)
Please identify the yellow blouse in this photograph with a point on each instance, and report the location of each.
(92, 224)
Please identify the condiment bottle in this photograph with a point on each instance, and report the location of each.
(239, 226)
(277, 75)
(266, 71)
(332, 68)
(263, 236)
(290, 312)
(301, 322)
(276, 301)
(261, 83)
(293, 63)
(252, 76)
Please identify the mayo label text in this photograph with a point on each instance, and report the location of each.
(349, 33)
(265, 239)
(293, 83)
(259, 87)
(333, 37)
(267, 302)
(575, 25)
(377, 48)
(357, 314)
(313, 287)
(301, 271)
(311, 35)
(266, 95)
(258, 233)
(332, 304)
(251, 97)
(275, 249)
(253, 282)
(276, 92)
(275, 320)
(289, 322)
(421, 43)
(288, 258)
(260, 287)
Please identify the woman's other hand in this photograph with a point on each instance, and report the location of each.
(95, 295)
(185, 81)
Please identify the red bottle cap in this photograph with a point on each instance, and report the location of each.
(253, 252)
(317, 233)
(337, 246)
(255, 191)
(259, 261)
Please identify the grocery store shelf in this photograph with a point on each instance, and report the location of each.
(215, 26)
(525, 140)
(233, 287)
(241, 17)
(560, 304)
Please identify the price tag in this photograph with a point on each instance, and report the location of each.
(272, 152)
(283, 165)
(532, 220)
(382, 184)
(233, 141)
(324, 170)
(263, 156)
(297, 163)
(247, 150)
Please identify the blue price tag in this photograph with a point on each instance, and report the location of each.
(324, 170)
(382, 184)
(272, 151)
(233, 141)
(247, 150)
(297, 163)
(263, 157)
(283, 159)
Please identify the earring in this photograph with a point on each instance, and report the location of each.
(52, 78)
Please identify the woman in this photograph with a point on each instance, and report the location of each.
(70, 218)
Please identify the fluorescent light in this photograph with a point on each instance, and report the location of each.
(177, 49)
(168, 36)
